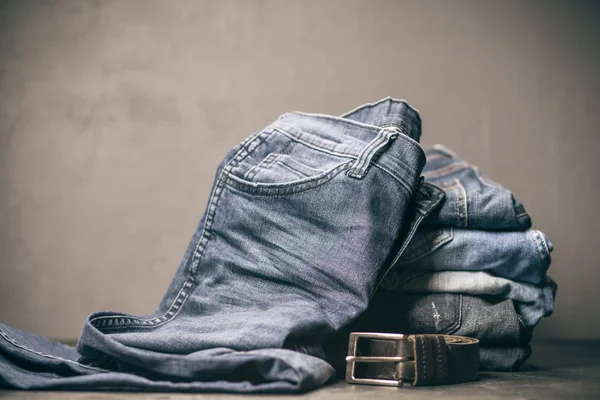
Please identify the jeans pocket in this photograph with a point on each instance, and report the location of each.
(276, 168)
(278, 164)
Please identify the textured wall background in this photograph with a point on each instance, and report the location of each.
(115, 114)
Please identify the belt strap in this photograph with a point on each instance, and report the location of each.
(394, 359)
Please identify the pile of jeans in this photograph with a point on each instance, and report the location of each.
(316, 225)
(471, 265)
(474, 267)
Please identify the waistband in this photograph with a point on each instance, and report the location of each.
(403, 159)
(389, 112)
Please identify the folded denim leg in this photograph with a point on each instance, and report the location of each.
(503, 358)
(494, 323)
(29, 361)
(472, 199)
(302, 222)
(24, 349)
(531, 302)
(518, 256)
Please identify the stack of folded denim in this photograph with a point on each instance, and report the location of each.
(474, 267)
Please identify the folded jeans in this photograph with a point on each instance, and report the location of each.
(521, 256)
(531, 302)
(490, 321)
(495, 324)
(503, 358)
(473, 200)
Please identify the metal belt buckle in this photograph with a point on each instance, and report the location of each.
(353, 358)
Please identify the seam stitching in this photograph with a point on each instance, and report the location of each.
(443, 171)
(364, 158)
(344, 155)
(268, 160)
(439, 357)
(422, 341)
(290, 168)
(182, 296)
(284, 189)
(14, 343)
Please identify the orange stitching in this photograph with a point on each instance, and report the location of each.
(446, 170)
(435, 157)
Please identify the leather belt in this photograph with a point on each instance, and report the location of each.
(393, 359)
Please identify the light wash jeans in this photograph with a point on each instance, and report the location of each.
(531, 302)
(515, 255)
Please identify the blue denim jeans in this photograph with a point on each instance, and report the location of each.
(472, 200)
(457, 203)
(504, 338)
(503, 358)
(474, 224)
(521, 256)
(302, 223)
(493, 322)
(531, 302)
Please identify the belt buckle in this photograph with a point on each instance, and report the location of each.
(352, 359)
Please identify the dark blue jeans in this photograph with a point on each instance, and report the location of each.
(531, 302)
(302, 223)
(504, 338)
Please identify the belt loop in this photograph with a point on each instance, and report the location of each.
(361, 165)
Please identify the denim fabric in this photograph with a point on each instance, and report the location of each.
(384, 112)
(531, 302)
(468, 199)
(472, 199)
(495, 323)
(302, 223)
(503, 358)
(518, 256)
(28, 361)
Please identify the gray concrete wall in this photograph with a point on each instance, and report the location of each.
(115, 114)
